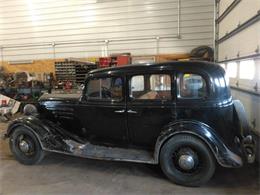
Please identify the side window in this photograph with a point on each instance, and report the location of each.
(151, 87)
(105, 88)
(192, 86)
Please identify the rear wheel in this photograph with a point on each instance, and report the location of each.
(25, 146)
(186, 160)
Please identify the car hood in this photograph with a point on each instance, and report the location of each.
(60, 97)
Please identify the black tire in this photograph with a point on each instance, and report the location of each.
(35, 153)
(204, 166)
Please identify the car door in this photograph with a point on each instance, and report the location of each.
(102, 109)
(150, 106)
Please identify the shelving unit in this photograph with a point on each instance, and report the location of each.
(73, 70)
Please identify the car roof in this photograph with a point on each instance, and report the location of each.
(176, 65)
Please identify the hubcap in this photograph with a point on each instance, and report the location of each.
(186, 162)
(24, 146)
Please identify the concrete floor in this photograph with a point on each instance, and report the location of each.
(59, 174)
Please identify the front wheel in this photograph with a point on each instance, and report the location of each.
(186, 160)
(25, 146)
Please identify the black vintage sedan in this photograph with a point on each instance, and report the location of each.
(179, 115)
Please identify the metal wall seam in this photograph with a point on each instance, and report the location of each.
(96, 33)
(199, 10)
(110, 50)
(117, 19)
(240, 28)
(76, 4)
(228, 10)
(207, 21)
(106, 5)
(252, 56)
(80, 9)
(90, 41)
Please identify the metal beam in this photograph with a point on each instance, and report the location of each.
(245, 91)
(179, 18)
(252, 56)
(228, 10)
(90, 41)
(240, 28)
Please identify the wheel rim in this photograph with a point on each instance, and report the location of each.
(25, 145)
(187, 160)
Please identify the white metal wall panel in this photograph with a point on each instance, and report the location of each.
(249, 8)
(42, 22)
(224, 4)
(244, 43)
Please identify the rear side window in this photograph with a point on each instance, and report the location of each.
(105, 88)
(151, 87)
(192, 86)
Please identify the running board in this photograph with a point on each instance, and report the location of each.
(92, 151)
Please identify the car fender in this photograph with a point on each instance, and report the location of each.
(41, 130)
(223, 155)
(50, 136)
(31, 122)
(241, 116)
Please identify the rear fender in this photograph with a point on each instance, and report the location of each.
(223, 155)
(244, 131)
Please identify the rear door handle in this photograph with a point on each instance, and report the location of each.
(119, 111)
(132, 112)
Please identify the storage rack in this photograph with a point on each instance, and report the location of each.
(73, 70)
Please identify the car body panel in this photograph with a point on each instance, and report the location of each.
(144, 125)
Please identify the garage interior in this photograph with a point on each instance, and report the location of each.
(49, 47)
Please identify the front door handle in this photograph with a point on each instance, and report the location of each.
(132, 112)
(119, 111)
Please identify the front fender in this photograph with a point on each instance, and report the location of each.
(48, 139)
(50, 136)
(30, 122)
(223, 155)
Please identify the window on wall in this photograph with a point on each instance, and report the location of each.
(105, 89)
(192, 86)
(247, 69)
(151, 87)
(232, 70)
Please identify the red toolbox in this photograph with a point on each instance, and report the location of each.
(104, 62)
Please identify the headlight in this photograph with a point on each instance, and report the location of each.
(29, 109)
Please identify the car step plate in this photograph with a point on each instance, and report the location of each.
(92, 151)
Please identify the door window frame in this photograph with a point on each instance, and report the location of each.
(173, 90)
(178, 85)
(86, 99)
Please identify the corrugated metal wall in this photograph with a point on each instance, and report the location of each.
(42, 29)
